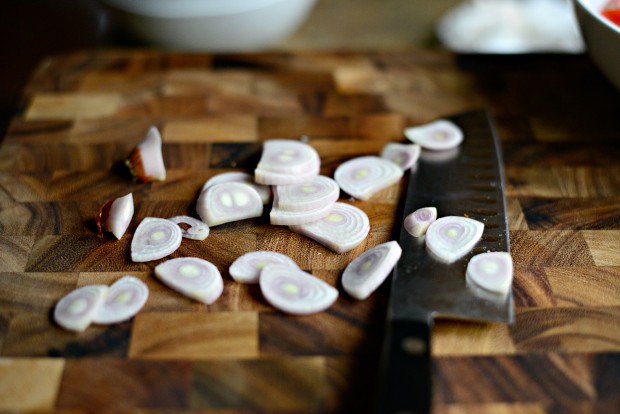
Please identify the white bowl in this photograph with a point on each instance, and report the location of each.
(210, 25)
(602, 37)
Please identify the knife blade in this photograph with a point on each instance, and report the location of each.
(468, 181)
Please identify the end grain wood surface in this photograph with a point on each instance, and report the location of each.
(83, 112)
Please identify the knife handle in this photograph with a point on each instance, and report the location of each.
(405, 372)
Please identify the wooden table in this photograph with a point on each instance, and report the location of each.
(83, 112)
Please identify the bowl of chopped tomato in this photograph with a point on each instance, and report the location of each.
(599, 22)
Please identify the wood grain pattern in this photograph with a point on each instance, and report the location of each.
(83, 112)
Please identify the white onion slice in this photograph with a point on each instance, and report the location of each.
(491, 271)
(193, 277)
(364, 176)
(264, 191)
(294, 291)
(438, 135)
(198, 230)
(146, 160)
(403, 155)
(123, 301)
(247, 268)
(115, 215)
(266, 177)
(309, 195)
(227, 202)
(155, 238)
(76, 310)
(287, 156)
(343, 229)
(418, 222)
(368, 271)
(450, 238)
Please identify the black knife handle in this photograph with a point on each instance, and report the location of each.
(405, 372)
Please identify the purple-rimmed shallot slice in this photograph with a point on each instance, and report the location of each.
(197, 230)
(277, 178)
(287, 156)
(364, 176)
(316, 193)
(227, 202)
(115, 216)
(76, 310)
(294, 291)
(264, 191)
(452, 237)
(123, 301)
(403, 155)
(146, 161)
(247, 268)
(193, 277)
(280, 217)
(491, 271)
(154, 239)
(418, 222)
(368, 271)
(343, 229)
(438, 135)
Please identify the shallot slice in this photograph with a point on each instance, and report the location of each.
(115, 216)
(343, 229)
(367, 271)
(76, 310)
(264, 191)
(364, 176)
(418, 222)
(193, 277)
(308, 195)
(155, 238)
(294, 291)
(247, 268)
(287, 156)
(452, 237)
(280, 217)
(275, 178)
(198, 230)
(403, 155)
(438, 135)
(227, 202)
(124, 300)
(491, 271)
(146, 161)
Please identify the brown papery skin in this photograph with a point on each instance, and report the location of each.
(134, 163)
(102, 217)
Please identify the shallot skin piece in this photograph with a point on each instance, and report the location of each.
(146, 161)
(492, 271)
(246, 268)
(418, 222)
(76, 310)
(369, 270)
(115, 216)
(228, 202)
(193, 277)
(154, 239)
(123, 301)
(294, 291)
(198, 230)
(403, 155)
(364, 176)
(343, 229)
(452, 237)
(438, 135)
(264, 191)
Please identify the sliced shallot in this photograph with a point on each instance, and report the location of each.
(193, 277)
(146, 161)
(280, 217)
(364, 176)
(343, 229)
(438, 135)
(227, 202)
(76, 310)
(491, 271)
(452, 237)
(287, 156)
(123, 301)
(154, 239)
(197, 230)
(308, 195)
(418, 222)
(264, 191)
(115, 215)
(294, 291)
(403, 155)
(368, 271)
(277, 178)
(247, 268)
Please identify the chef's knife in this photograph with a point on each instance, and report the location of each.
(465, 182)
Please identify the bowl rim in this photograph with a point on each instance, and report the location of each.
(596, 13)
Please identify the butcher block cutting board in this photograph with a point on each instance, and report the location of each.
(83, 112)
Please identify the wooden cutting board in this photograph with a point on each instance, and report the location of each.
(81, 115)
